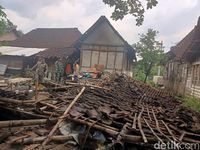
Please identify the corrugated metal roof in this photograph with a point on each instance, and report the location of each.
(19, 51)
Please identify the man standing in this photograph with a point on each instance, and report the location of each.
(59, 67)
(41, 69)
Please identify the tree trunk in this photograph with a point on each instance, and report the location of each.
(148, 72)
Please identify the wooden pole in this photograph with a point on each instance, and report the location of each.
(16, 123)
(36, 89)
(140, 126)
(14, 101)
(88, 85)
(60, 120)
(109, 131)
(58, 138)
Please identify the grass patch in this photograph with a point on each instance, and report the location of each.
(192, 102)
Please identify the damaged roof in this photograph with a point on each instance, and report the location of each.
(56, 52)
(189, 46)
(48, 38)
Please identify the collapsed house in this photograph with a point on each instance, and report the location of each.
(183, 66)
(116, 112)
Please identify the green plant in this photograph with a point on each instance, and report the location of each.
(192, 102)
(135, 8)
(150, 51)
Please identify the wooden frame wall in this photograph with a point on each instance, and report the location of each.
(107, 51)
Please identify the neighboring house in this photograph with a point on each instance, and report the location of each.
(183, 66)
(102, 44)
(49, 43)
(17, 58)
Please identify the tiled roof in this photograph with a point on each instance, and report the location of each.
(48, 38)
(189, 46)
(56, 52)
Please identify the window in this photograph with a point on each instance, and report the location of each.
(195, 75)
(198, 74)
(111, 60)
(103, 58)
(119, 60)
(95, 57)
(86, 58)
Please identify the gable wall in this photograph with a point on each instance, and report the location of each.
(104, 35)
(105, 47)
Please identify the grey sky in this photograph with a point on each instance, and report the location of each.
(172, 18)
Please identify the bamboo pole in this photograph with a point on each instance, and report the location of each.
(153, 131)
(140, 126)
(88, 85)
(14, 101)
(60, 120)
(168, 129)
(58, 138)
(17, 123)
(134, 121)
(48, 104)
(109, 131)
(36, 89)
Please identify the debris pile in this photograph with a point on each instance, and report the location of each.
(117, 112)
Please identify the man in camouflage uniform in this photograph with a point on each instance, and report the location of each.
(59, 67)
(40, 70)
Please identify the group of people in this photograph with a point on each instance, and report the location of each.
(62, 70)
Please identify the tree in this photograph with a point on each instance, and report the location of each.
(150, 51)
(5, 23)
(133, 7)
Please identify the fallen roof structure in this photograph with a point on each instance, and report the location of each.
(117, 112)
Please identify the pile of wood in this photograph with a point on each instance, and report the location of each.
(117, 112)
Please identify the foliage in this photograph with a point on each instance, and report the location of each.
(5, 23)
(192, 102)
(150, 51)
(133, 7)
(138, 71)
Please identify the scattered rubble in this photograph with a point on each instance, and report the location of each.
(114, 113)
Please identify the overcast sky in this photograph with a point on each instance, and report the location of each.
(172, 18)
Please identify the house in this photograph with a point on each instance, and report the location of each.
(183, 66)
(15, 59)
(49, 43)
(101, 44)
